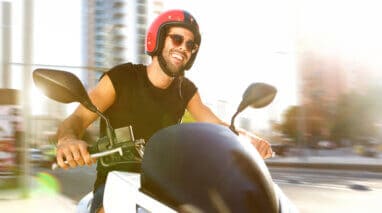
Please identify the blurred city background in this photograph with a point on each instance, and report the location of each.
(322, 56)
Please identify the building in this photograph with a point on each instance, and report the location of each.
(114, 33)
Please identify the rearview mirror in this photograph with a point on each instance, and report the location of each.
(62, 86)
(65, 87)
(257, 95)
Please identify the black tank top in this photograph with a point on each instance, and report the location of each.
(143, 106)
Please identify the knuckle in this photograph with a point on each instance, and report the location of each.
(72, 163)
(69, 158)
(62, 165)
(73, 146)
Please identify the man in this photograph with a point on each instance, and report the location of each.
(146, 97)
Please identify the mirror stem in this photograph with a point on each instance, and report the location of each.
(109, 129)
(232, 126)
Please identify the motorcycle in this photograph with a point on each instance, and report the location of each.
(187, 167)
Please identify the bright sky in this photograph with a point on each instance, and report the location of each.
(242, 42)
(245, 42)
(57, 32)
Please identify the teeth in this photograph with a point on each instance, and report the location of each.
(177, 56)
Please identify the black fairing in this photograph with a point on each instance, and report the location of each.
(203, 164)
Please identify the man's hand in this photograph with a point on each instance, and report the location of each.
(262, 146)
(74, 152)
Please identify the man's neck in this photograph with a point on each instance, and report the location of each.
(157, 76)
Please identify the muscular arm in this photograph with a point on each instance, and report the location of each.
(69, 132)
(202, 113)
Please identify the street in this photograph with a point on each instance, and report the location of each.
(329, 190)
(310, 190)
(75, 183)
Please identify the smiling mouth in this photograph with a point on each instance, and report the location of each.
(178, 56)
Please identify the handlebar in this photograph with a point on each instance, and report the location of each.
(129, 149)
(93, 154)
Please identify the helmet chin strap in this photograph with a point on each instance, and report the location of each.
(163, 66)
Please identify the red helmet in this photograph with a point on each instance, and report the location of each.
(156, 32)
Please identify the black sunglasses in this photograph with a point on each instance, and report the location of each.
(177, 40)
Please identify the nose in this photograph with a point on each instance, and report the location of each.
(183, 46)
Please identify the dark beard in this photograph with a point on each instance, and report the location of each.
(169, 69)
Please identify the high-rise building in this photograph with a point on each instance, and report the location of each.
(115, 31)
(323, 79)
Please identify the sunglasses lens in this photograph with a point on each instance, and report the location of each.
(190, 45)
(178, 40)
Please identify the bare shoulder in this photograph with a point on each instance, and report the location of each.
(103, 95)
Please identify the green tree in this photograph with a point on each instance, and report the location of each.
(307, 123)
(356, 115)
(353, 116)
(289, 123)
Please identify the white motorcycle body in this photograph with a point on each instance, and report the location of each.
(122, 194)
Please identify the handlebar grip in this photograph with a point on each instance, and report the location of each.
(93, 150)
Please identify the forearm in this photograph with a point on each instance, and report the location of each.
(70, 128)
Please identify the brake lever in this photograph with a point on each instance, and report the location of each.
(96, 155)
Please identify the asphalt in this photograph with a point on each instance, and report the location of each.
(338, 159)
(328, 162)
(40, 197)
(44, 198)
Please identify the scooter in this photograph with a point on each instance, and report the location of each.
(188, 167)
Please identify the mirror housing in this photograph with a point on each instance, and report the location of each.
(62, 86)
(257, 95)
